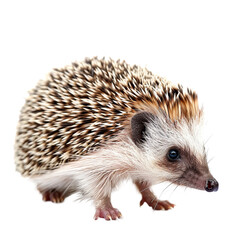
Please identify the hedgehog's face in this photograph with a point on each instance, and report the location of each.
(175, 149)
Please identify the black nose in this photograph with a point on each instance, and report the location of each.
(211, 185)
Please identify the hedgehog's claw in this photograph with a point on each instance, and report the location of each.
(157, 204)
(104, 209)
(107, 213)
(53, 196)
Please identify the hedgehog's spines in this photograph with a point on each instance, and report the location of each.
(80, 107)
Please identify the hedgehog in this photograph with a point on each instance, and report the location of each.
(92, 124)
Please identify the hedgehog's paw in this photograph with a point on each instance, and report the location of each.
(157, 204)
(104, 209)
(107, 213)
(53, 196)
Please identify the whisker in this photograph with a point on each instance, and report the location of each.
(210, 160)
(174, 190)
(208, 139)
(164, 191)
(156, 203)
(150, 186)
(145, 189)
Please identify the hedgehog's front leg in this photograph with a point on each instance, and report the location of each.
(150, 198)
(97, 185)
(104, 209)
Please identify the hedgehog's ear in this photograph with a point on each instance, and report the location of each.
(138, 126)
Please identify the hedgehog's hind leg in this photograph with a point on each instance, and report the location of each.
(55, 195)
(52, 195)
(56, 189)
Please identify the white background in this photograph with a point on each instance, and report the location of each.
(196, 43)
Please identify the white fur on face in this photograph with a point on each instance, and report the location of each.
(163, 133)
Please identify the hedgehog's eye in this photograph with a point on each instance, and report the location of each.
(173, 155)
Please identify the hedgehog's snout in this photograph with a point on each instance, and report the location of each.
(199, 180)
(211, 185)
